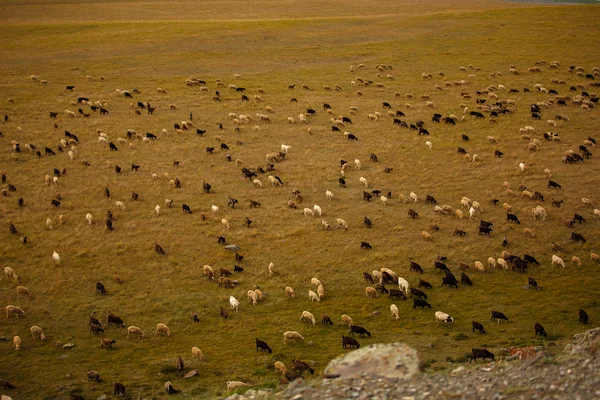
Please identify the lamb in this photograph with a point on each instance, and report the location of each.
(163, 330)
(522, 167)
(289, 292)
(120, 205)
(235, 304)
(329, 195)
(317, 210)
(49, 224)
(197, 353)
(233, 385)
(313, 296)
(309, 317)
(394, 312)
(23, 290)
(557, 261)
(502, 263)
(215, 209)
(135, 331)
(357, 164)
(17, 342)
(308, 212)
(364, 181)
(443, 317)
(89, 218)
(347, 320)
(37, 333)
(383, 200)
(10, 273)
(292, 335)
(225, 224)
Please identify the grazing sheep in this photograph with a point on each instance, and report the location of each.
(522, 167)
(107, 343)
(56, 257)
(364, 181)
(317, 210)
(557, 261)
(292, 335)
(169, 388)
(197, 353)
(37, 333)
(89, 218)
(587, 202)
(459, 213)
(257, 183)
(394, 312)
(340, 223)
(347, 320)
(312, 296)
(429, 145)
(329, 195)
(315, 282)
(576, 260)
(163, 330)
(413, 196)
(443, 317)
(309, 317)
(528, 232)
(49, 224)
(279, 366)
(289, 292)
(135, 331)
(425, 235)
(23, 290)
(491, 263)
(17, 342)
(252, 296)
(371, 292)
(502, 263)
(595, 258)
(308, 212)
(479, 266)
(383, 200)
(120, 205)
(10, 273)
(215, 209)
(270, 268)
(225, 224)
(233, 385)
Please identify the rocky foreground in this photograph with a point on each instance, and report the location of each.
(573, 374)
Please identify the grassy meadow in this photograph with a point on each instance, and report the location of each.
(271, 44)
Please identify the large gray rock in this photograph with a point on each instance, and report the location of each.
(394, 360)
(584, 344)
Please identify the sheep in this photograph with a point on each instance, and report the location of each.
(163, 330)
(157, 210)
(120, 205)
(23, 290)
(292, 335)
(309, 317)
(364, 181)
(506, 207)
(312, 296)
(37, 333)
(491, 263)
(472, 212)
(233, 385)
(357, 164)
(595, 258)
(17, 342)
(257, 183)
(308, 212)
(279, 366)
(394, 312)
(169, 388)
(270, 268)
(347, 320)
(587, 202)
(329, 195)
(383, 200)
(135, 331)
(197, 353)
(317, 210)
(315, 282)
(252, 296)
(289, 292)
(371, 292)
(321, 291)
(528, 232)
(89, 218)
(14, 310)
(225, 223)
(49, 224)
(503, 264)
(425, 235)
(215, 209)
(208, 272)
(403, 285)
(479, 266)
(340, 223)
(56, 258)
(557, 261)
(522, 167)
(10, 273)
(459, 214)
(576, 260)
(274, 181)
(413, 196)
(443, 317)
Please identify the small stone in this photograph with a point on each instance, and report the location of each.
(68, 376)
(193, 372)
(458, 370)
(376, 312)
(297, 397)
(103, 397)
(62, 356)
(68, 346)
(310, 344)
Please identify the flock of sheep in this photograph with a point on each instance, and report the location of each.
(491, 102)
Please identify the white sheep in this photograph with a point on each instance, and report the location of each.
(10, 273)
(522, 167)
(308, 212)
(89, 218)
(252, 296)
(49, 224)
(14, 310)
(197, 353)
(329, 195)
(257, 183)
(491, 262)
(225, 224)
(312, 296)
(347, 320)
(557, 261)
(472, 212)
(17, 342)
(364, 181)
(479, 266)
(135, 331)
(596, 213)
(162, 329)
(325, 224)
(587, 202)
(215, 209)
(315, 282)
(308, 316)
(120, 205)
(383, 200)
(394, 312)
(271, 266)
(235, 304)
(285, 148)
(157, 210)
(37, 333)
(233, 385)
(443, 317)
(403, 285)
(357, 164)
(292, 335)
(321, 291)
(55, 181)
(371, 292)
(340, 223)
(413, 197)
(289, 292)
(317, 210)
(168, 203)
(280, 367)
(502, 263)
(23, 290)
(56, 257)
(477, 206)
(429, 145)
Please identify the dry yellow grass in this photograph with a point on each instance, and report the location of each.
(272, 47)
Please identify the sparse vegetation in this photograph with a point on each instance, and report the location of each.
(273, 47)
